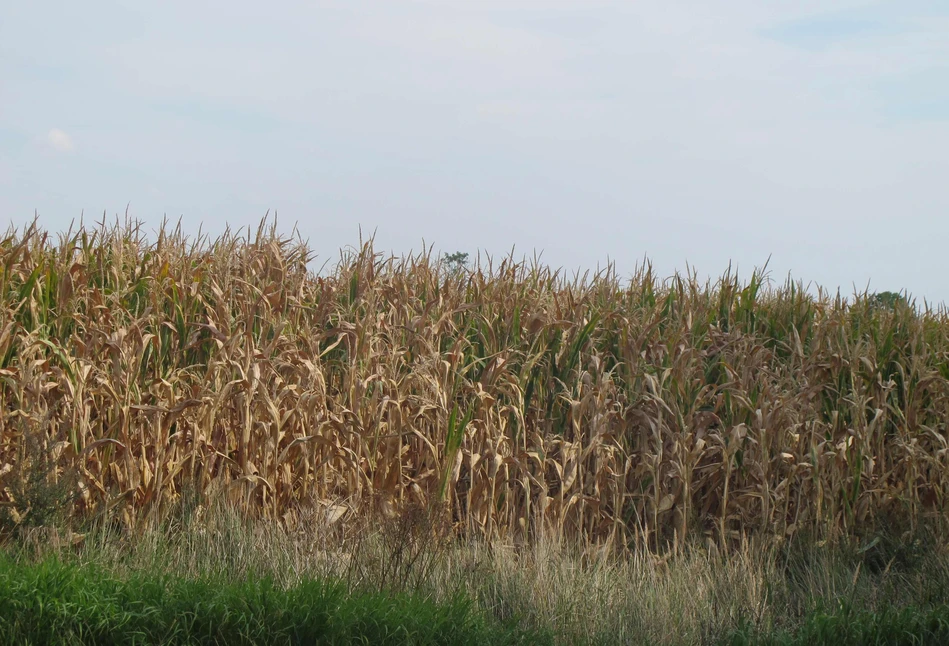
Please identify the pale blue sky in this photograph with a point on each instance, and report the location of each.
(812, 131)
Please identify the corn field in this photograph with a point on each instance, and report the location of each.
(634, 413)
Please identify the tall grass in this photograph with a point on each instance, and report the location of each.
(382, 578)
(136, 372)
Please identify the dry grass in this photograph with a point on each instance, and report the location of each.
(539, 409)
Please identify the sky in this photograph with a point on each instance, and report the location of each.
(692, 133)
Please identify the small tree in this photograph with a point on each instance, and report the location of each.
(455, 262)
(887, 300)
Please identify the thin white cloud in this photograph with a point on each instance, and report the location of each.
(60, 141)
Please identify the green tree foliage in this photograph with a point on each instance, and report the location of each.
(888, 300)
(455, 262)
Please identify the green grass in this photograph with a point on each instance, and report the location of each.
(56, 602)
(911, 626)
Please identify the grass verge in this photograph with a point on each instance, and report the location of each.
(54, 602)
(253, 580)
(909, 626)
